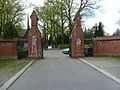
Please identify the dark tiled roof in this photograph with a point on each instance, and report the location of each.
(22, 33)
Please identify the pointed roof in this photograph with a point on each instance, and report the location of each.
(34, 15)
(77, 15)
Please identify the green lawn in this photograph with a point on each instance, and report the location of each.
(13, 63)
(116, 57)
(9, 67)
(110, 57)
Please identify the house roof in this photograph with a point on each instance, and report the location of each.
(22, 33)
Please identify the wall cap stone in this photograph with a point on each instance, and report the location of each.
(107, 38)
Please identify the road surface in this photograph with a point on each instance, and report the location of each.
(58, 71)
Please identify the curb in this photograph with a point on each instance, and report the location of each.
(117, 80)
(15, 77)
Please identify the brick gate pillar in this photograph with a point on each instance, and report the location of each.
(34, 39)
(77, 38)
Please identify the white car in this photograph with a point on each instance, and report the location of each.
(66, 51)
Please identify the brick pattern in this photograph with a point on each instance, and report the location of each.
(109, 46)
(34, 39)
(77, 38)
(9, 48)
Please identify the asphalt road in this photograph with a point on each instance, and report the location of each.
(60, 72)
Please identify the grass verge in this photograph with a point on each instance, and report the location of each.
(116, 57)
(9, 67)
(109, 57)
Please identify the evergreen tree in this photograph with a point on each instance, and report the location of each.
(100, 29)
(95, 30)
(117, 32)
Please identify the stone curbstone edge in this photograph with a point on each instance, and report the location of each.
(112, 77)
(15, 77)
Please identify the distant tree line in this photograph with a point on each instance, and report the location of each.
(95, 31)
(117, 32)
(57, 18)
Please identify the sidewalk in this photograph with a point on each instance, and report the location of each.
(59, 72)
(108, 64)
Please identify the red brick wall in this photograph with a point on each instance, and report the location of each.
(109, 46)
(8, 48)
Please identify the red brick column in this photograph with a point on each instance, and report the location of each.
(34, 39)
(77, 38)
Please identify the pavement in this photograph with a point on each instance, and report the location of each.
(58, 71)
(108, 64)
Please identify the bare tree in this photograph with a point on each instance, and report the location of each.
(57, 15)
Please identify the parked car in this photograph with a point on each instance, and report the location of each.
(66, 51)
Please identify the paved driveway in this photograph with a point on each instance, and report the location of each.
(108, 64)
(59, 72)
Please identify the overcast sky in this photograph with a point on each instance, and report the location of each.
(109, 17)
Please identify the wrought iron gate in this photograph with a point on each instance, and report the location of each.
(22, 48)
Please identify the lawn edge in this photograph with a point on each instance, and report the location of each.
(112, 77)
(15, 77)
